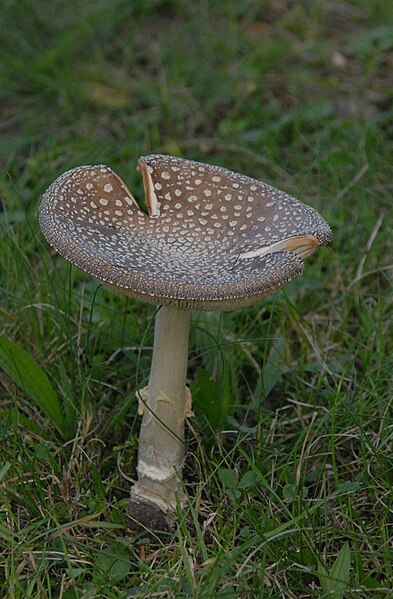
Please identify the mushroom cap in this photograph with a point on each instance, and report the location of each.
(213, 239)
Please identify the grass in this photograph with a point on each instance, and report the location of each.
(290, 480)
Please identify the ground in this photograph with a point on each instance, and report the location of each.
(289, 456)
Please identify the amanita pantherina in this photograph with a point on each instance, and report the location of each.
(212, 240)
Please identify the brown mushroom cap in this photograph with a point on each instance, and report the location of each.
(213, 239)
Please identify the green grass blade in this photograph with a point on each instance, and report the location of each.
(275, 365)
(340, 572)
(335, 583)
(4, 469)
(31, 378)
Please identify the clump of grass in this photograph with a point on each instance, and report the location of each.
(290, 477)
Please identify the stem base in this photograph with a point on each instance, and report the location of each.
(147, 516)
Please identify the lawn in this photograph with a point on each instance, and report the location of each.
(289, 466)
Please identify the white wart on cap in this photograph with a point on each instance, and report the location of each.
(213, 239)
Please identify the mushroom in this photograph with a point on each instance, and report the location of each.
(212, 240)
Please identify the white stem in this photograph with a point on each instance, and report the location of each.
(165, 403)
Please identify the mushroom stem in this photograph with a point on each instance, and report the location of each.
(165, 403)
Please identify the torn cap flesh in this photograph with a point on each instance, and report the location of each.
(213, 239)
